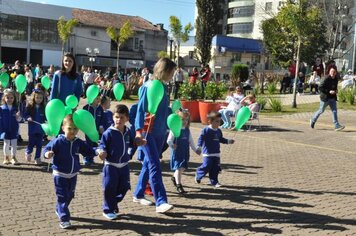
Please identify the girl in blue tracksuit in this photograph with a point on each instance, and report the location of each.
(153, 129)
(35, 115)
(210, 139)
(107, 119)
(98, 113)
(66, 81)
(113, 148)
(65, 150)
(9, 125)
(180, 151)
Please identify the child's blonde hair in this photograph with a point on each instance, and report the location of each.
(7, 92)
(163, 69)
(184, 114)
(68, 119)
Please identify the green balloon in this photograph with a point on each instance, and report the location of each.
(67, 110)
(72, 101)
(242, 117)
(118, 90)
(84, 120)
(46, 82)
(46, 129)
(55, 112)
(1, 64)
(176, 105)
(20, 83)
(174, 123)
(155, 92)
(4, 79)
(92, 93)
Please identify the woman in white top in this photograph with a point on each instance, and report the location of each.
(314, 82)
(234, 104)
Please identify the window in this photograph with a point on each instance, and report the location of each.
(236, 56)
(141, 45)
(136, 43)
(45, 31)
(241, 11)
(256, 58)
(240, 28)
(14, 27)
(93, 33)
(268, 6)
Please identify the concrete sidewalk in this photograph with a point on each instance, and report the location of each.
(285, 179)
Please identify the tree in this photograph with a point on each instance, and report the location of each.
(206, 25)
(281, 33)
(65, 29)
(297, 31)
(177, 33)
(120, 36)
(162, 54)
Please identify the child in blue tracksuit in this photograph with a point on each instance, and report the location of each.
(65, 150)
(210, 139)
(180, 151)
(152, 128)
(35, 115)
(113, 148)
(107, 119)
(98, 113)
(9, 124)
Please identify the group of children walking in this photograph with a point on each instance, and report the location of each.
(117, 145)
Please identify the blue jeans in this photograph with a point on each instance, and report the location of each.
(225, 116)
(323, 105)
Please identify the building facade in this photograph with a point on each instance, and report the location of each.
(29, 34)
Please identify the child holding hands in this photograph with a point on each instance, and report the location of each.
(65, 150)
(113, 148)
(180, 151)
(209, 140)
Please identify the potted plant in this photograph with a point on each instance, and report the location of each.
(189, 94)
(213, 91)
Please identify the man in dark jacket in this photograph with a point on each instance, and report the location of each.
(328, 96)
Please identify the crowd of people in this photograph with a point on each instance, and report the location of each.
(123, 132)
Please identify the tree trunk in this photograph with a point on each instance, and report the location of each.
(117, 61)
(294, 104)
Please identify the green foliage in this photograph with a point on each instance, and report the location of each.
(189, 91)
(65, 29)
(272, 88)
(275, 104)
(256, 90)
(262, 101)
(162, 54)
(215, 91)
(293, 21)
(209, 12)
(341, 95)
(350, 96)
(239, 73)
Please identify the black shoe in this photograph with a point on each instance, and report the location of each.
(312, 124)
(180, 189)
(19, 139)
(174, 181)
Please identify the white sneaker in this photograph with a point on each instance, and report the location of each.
(28, 157)
(110, 216)
(142, 201)
(38, 161)
(164, 208)
(65, 224)
(218, 185)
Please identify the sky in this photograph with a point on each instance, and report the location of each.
(155, 11)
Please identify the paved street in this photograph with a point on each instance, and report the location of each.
(284, 179)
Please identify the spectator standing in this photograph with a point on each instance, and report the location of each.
(178, 79)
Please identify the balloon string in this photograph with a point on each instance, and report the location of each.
(149, 125)
(35, 122)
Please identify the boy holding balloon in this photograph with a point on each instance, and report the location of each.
(65, 150)
(209, 140)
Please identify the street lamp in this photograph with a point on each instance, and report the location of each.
(92, 54)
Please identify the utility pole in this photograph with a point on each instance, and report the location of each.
(1, 25)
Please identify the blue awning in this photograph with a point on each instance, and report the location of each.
(234, 44)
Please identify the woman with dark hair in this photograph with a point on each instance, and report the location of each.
(66, 81)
